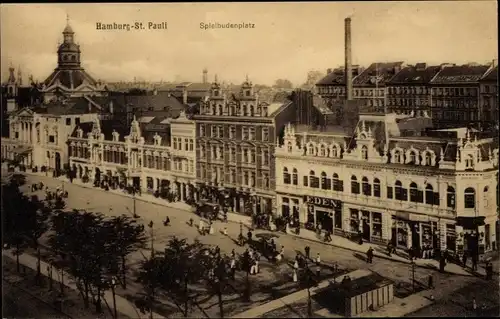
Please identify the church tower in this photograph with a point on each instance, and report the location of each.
(12, 90)
(68, 54)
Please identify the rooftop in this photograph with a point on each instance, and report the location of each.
(460, 74)
(377, 74)
(419, 74)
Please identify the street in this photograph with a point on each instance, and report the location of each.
(98, 200)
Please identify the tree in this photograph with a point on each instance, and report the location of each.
(313, 77)
(218, 279)
(126, 236)
(283, 84)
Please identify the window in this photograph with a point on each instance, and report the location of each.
(313, 180)
(416, 195)
(252, 133)
(354, 185)
(232, 132)
(191, 144)
(364, 153)
(220, 109)
(221, 131)
(68, 121)
(265, 158)
(450, 197)
(337, 183)
(400, 192)
(214, 131)
(469, 162)
(397, 157)
(265, 178)
(485, 196)
(252, 156)
(202, 130)
(245, 112)
(244, 133)
(286, 176)
(428, 159)
(377, 224)
(265, 134)
(245, 156)
(470, 198)
(325, 181)
(186, 144)
(413, 158)
(310, 149)
(285, 207)
(429, 194)
(334, 151)
(202, 151)
(376, 187)
(367, 188)
(451, 237)
(289, 146)
(175, 143)
(295, 177)
(77, 121)
(322, 150)
(17, 135)
(52, 139)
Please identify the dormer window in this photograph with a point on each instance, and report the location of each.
(428, 159)
(216, 93)
(247, 93)
(334, 151)
(322, 151)
(364, 153)
(469, 162)
(289, 147)
(310, 149)
(413, 158)
(397, 157)
(264, 111)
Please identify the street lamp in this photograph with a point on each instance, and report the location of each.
(150, 225)
(113, 285)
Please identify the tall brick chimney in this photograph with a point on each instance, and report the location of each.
(348, 62)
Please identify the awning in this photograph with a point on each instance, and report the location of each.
(22, 150)
(470, 222)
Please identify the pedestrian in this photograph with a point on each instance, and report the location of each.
(294, 276)
(464, 259)
(225, 231)
(249, 235)
(307, 250)
(233, 254)
(442, 263)
(296, 265)
(191, 221)
(474, 262)
(474, 304)
(318, 259)
(389, 249)
(431, 282)
(282, 252)
(200, 227)
(369, 255)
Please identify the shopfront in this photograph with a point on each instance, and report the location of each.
(471, 231)
(366, 223)
(326, 212)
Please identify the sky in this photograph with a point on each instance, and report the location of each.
(288, 39)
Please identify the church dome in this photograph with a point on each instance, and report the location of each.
(68, 29)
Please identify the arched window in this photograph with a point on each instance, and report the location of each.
(354, 185)
(470, 198)
(313, 180)
(414, 193)
(325, 181)
(337, 183)
(400, 192)
(429, 195)
(295, 177)
(334, 151)
(376, 187)
(367, 188)
(364, 153)
(322, 150)
(450, 197)
(220, 109)
(73, 58)
(251, 110)
(214, 110)
(286, 176)
(469, 162)
(289, 146)
(427, 159)
(245, 112)
(485, 196)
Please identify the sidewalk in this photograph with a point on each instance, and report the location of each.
(337, 241)
(342, 242)
(122, 304)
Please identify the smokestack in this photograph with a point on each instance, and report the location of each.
(348, 62)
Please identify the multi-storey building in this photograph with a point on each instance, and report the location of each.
(391, 179)
(455, 95)
(236, 135)
(408, 91)
(157, 154)
(488, 95)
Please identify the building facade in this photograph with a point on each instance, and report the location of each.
(488, 88)
(236, 135)
(155, 155)
(435, 190)
(409, 91)
(455, 95)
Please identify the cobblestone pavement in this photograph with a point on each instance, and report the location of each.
(111, 204)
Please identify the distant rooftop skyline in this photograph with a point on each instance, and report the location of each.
(288, 40)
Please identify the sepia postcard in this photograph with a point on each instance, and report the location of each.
(250, 160)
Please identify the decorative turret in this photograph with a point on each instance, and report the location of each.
(68, 52)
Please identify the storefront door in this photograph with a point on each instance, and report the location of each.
(415, 234)
(366, 230)
(324, 218)
(400, 234)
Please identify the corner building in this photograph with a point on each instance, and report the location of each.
(393, 179)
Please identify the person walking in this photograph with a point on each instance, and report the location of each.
(307, 250)
(474, 262)
(249, 235)
(294, 275)
(464, 259)
(369, 255)
(296, 265)
(318, 259)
